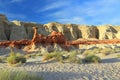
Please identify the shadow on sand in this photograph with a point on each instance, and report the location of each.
(111, 60)
(65, 75)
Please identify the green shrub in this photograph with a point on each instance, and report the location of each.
(118, 55)
(88, 52)
(33, 55)
(28, 56)
(16, 58)
(73, 57)
(48, 56)
(92, 58)
(107, 51)
(56, 55)
(117, 49)
(96, 50)
(38, 54)
(20, 58)
(18, 75)
(0, 59)
(74, 60)
(62, 56)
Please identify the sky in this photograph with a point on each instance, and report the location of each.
(90, 12)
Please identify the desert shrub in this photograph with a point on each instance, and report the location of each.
(28, 56)
(118, 55)
(16, 58)
(88, 52)
(33, 55)
(92, 51)
(92, 58)
(56, 55)
(73, 57)
(0, 59)
(38, 54)
(20, 58)
(74, 60)
(116, 50)
(48, 56)
(96, 50)
(62, 56)
(18, 75)
(107, 51)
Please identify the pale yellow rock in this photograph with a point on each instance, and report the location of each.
(17, 23)
(106, 32)
(74, 31)
(17, 30)
(118, 35)
(58, 27)
(88, 31)
(51, 26)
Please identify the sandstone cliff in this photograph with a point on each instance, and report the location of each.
(17, 30)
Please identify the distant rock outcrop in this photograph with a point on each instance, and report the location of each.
(17, 30)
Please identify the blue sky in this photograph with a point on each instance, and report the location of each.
(90, 12)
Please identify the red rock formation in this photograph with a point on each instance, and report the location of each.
(54, 37)
(57, 37)
(35, 35)
(112, 41)
(17, 44)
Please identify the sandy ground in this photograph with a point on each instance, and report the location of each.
(70, 71)
(109, 69)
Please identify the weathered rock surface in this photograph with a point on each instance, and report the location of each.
(107, 32)
(17, 30)
(4, 28)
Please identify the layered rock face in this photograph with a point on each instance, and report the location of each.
(17, 30)
(4, 28)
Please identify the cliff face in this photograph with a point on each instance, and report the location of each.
(17, 30)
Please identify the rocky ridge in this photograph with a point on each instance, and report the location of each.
(17, 30)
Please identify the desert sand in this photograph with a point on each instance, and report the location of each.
(109, 69)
